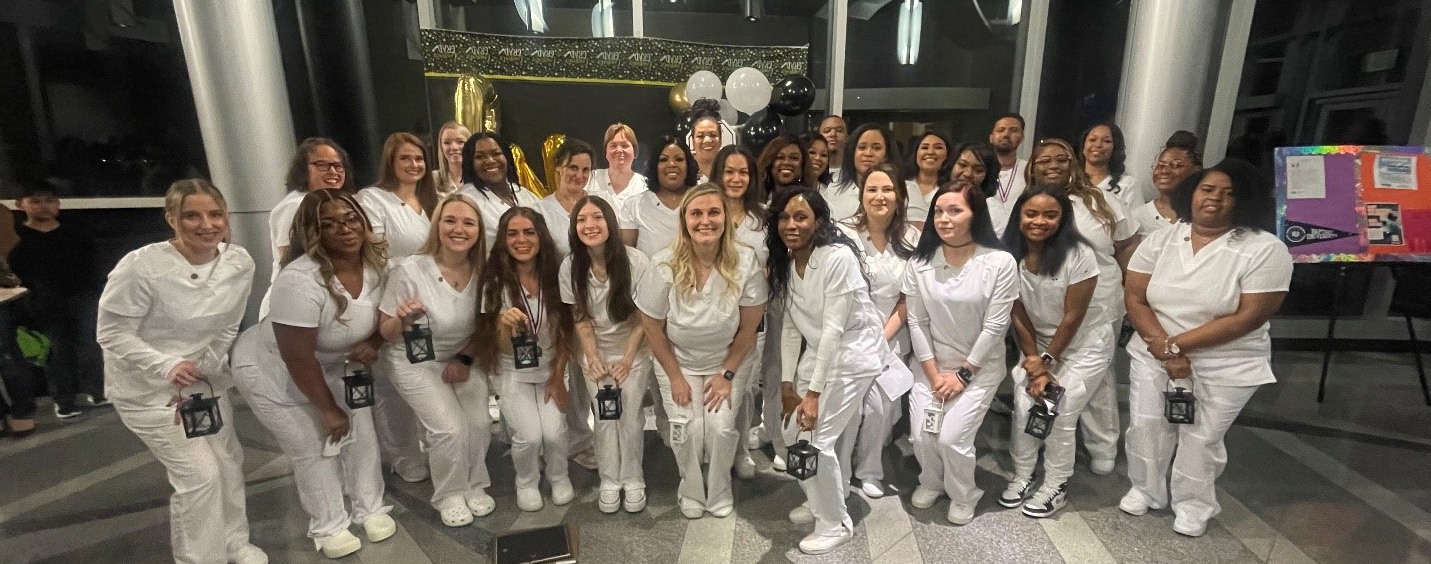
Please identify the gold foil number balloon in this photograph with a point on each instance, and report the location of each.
(549, 164)
(476, 103)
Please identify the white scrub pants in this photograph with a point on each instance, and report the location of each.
(878, 416)
(946, 460)
(577, 423)
(834, 431)
(769, 375)
(396, 425)
(538, 431)
(457, 425)
(207, 519)
(751, 371)
(620, 444)
(323, 480)
(710, 435)
(1080, 366)
(1099, 419)
(1201, 453)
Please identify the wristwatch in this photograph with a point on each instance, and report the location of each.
(1172, 348)
(964, 375)
(465, 359)
(729, 375)
(1047, 359)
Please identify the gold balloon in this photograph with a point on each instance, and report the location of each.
(678, 100)
(476, 103)
(549, 151)
(525, 176)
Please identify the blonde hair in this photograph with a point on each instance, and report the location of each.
(624, 130)
(387, 173)
(683, 260)
(475, 255)
(1077, 184)
(306, 238)
(180, 189)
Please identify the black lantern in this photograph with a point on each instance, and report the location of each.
(525, 352)
(608, 403)
(418, 340)
(358, 388)
(201, 416)
(1043, 413)
(1181, 406)
(802, 460)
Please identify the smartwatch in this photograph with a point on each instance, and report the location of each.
(1173, 349)
(729, 375)
(1047, 359)
(465, 359)
(964, 375)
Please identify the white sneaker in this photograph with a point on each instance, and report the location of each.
(339, 544)
(379, 527)
(635, 500)
(1188, 527)
(1102, 466)
(723, 511)
(744, 465)
(562, 493)
(529, 499)
(924, 498)
(609, 501)
(691, 509)
(960, 514)
(872, 488)
(801, 515)
(820, 544)
(251, 554)
(454, 511)
(480, 504)
(1133, 503)
(411, 470)
(778, 463)
(1016, 493)
(756, 438)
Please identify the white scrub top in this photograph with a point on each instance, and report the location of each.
(961, 314)
(1188, 290)
(404, 228)
(1001, 203)
(851, 347)
(701, 323)
(1107, 303)
(886, 279)
(183, 312)
(1130, 191)
(917, 203)
(611, 337)
(656, 225)
(1149, 220)
(558, 224)
(506, 365)
(491, 208)
(1043, 296)
(600, 185)
(280, 222)
(844, 200)
(450, 314)
(751, 232)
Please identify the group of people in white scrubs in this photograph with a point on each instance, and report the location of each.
(765, 305)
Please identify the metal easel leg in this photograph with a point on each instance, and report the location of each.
(1331, 331)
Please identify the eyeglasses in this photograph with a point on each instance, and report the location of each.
(707, 136)
(1168, 166)
(351, 221)
(325, 166)
(1062, 159)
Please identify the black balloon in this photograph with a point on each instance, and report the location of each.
(762, 127)
(792, 95)
(683, 124)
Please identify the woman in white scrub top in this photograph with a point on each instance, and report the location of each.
(1104, 224)
(447, 176)
(1061, 344)
(166, 320)
(491, 181)
(817, 159)
(745, 200)
(1104, 152)
(319, 163)
(886, 242)
(706, 137)
(1179, 160)
(1200, 294)
(975, 167)
(869, 145)
(521, 305)
(290, 367)
(398, 208)
(817, 271)
(928, 169)
(959, 289)
(598, 280)
(780, 164)
(437, 288)
(700, 304)
(618, 183)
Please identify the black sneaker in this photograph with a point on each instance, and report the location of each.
(67, 411)
(1047, 501)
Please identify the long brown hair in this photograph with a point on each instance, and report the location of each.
(306, 238)
(499, 277)
(1077, 184)
(898, 223)
(619, 304)
(387, 173)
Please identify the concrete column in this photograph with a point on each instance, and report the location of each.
(340, 74)
(231, 51)
(839, 24)
(1028, 74)
(1229, 79)
(1168, 63)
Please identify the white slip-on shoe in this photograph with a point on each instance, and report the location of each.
(801, 515)
(249, 554)
(562, 493)
(379, 527)
(821, 544)
(529, 499)
(339, 544)
(1188, 527)
(1135, 503)
(691, 509)
(924, 498)
(480, 504)
(1102, 466)
(454, 511)
(960, 514)
(872, 488)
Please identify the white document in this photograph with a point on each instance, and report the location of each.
(1306, 178)
(1395, 172)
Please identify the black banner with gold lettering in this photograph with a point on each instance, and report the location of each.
(622, 60)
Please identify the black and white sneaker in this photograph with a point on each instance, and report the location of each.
(97, 400)
(1047, 501)
(67, 411)
(1017, 492)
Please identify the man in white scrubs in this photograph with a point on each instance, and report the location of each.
(1007, 135)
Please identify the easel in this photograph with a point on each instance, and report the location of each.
(1337, 295)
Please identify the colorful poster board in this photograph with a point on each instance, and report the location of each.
(1354, 203)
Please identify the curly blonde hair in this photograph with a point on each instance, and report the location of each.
(683, 259)
(306, 238)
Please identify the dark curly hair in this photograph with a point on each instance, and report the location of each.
(653, 162)
(1253, 206)
(778, 265)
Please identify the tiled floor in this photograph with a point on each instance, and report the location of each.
(1343, 482)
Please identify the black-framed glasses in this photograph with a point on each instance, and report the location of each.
(326, 166)
(1062, 159)
(351, 221)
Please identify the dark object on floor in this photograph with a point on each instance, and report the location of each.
(551, 545)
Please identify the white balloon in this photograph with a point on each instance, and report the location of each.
(703, 84)
(727, 112)
(748, 90)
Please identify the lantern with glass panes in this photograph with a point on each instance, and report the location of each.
(1181, 406)
(1044, 412)
(418, 341)
(802, 459)
(357, 386)
(200, 415)
(608, 403)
